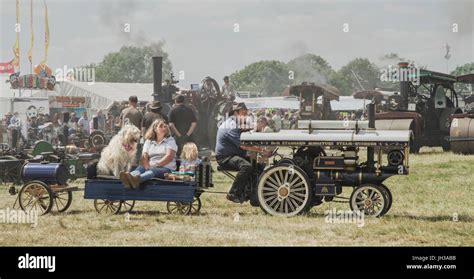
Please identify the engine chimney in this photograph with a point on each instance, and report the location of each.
(157, 77)
(404, 84)
(370, 150)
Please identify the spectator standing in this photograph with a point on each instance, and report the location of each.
(131, 115)
(228, 89)
(286, 123)
(277, 120)
(182, 123)
(154, 114)
(83, 124)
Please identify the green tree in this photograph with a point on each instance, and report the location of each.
(132, 64)
(268, 77)
(357, 74)
(310, 68)
(465, 69)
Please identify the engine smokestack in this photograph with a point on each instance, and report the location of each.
(404, 84)
(370, 150)
(157, 77)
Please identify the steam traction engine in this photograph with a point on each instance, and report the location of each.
(315, 100)
(307, 177)
(208, 104)
(425, 104)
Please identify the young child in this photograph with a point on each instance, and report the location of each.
(189, 158)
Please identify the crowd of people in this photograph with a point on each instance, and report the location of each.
(274, 120)
(52, 128)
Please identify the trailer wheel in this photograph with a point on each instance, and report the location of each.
(284, 190)
(107, 207)
(36, 196)
(369, 198)
(62, 200)
(178, 208)
(127, 206)
(196, 206)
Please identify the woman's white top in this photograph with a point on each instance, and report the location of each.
(156, 151)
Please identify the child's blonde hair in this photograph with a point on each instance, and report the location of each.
(189, 152)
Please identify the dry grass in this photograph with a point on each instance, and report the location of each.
(440, 185)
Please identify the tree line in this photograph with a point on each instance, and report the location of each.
(270, 77)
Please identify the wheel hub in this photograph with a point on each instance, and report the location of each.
(368, 202)
(283, 192)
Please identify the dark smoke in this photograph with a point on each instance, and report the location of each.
(115, 14)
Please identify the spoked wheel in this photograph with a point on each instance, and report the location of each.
(36, 196)
(62, 200)
(388, 196)
(284, 190)
(96, 138)
(107, 207)
(196, 206)
(178, 208)
(127, 206)
(370, 199)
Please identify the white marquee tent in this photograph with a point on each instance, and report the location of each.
(103, 94)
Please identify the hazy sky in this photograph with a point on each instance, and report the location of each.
(200, 37)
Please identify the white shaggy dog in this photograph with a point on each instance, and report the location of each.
(119, 154)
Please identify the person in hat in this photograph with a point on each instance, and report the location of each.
(152, 115)
(228, 89)
(230, 154)
(183, 121)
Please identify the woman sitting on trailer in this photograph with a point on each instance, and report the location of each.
(158, 156)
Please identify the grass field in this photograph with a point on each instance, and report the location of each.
(433, 206)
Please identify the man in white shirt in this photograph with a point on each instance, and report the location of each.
(228, 89)
(83, 123)
(277, 119)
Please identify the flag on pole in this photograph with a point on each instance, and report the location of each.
(16, 47)
(46, 34)
(30, 51)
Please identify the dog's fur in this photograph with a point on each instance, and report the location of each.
(115, 158)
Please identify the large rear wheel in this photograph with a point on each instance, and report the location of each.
(284, 190)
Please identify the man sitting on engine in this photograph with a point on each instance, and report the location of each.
(231, 155)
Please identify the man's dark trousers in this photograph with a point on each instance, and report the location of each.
(245, 169)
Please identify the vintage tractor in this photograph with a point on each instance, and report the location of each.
(425, 104)
(315, 100)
